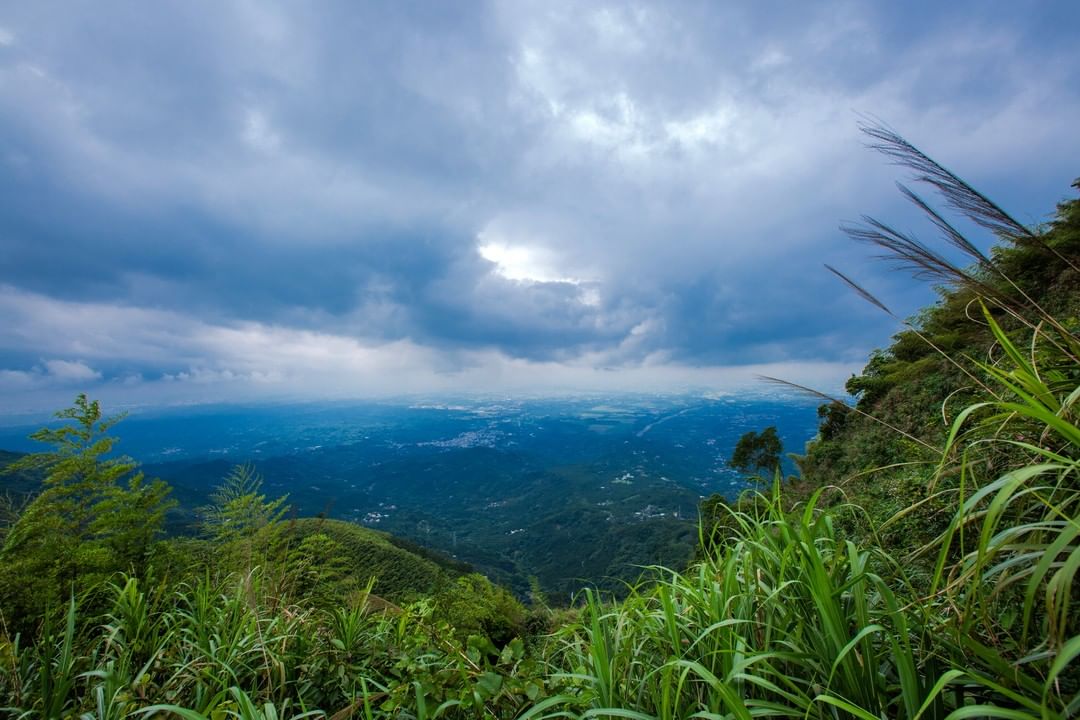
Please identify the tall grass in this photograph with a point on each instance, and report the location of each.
(787, 620)
(227, 649)
(1009, 559)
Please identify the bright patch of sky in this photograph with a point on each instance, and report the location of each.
(520, 262)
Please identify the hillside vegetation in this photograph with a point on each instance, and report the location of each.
(884, 454)
(923, 564)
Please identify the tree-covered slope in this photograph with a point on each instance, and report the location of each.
(884, 453)
(341, 557)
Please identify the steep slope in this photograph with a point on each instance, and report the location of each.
(884, 453)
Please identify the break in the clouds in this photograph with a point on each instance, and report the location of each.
(239, 199)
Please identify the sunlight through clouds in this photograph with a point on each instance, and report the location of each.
(517, 262)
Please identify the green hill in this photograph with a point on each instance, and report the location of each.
(344, 557)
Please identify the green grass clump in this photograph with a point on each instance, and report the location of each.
(787, 620)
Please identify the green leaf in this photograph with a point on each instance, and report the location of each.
(489, 684)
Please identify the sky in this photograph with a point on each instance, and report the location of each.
(241, 201)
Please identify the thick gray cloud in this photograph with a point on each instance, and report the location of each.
(560, 188)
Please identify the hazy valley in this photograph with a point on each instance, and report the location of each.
(575, 492)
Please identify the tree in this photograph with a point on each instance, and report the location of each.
(320, 570)
(755, 452)
(96, 515)
(238, 509)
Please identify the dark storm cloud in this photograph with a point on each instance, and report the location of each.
(602, 186)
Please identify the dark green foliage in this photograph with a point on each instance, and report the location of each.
(473, 606)
(756, 452)
(716, 515)
(834, 418)
(534, 506)
(11, 508)
(447, 563)
(20, 484)
(17, 488)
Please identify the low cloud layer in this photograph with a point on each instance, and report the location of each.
(195, 361)
(288, 200)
